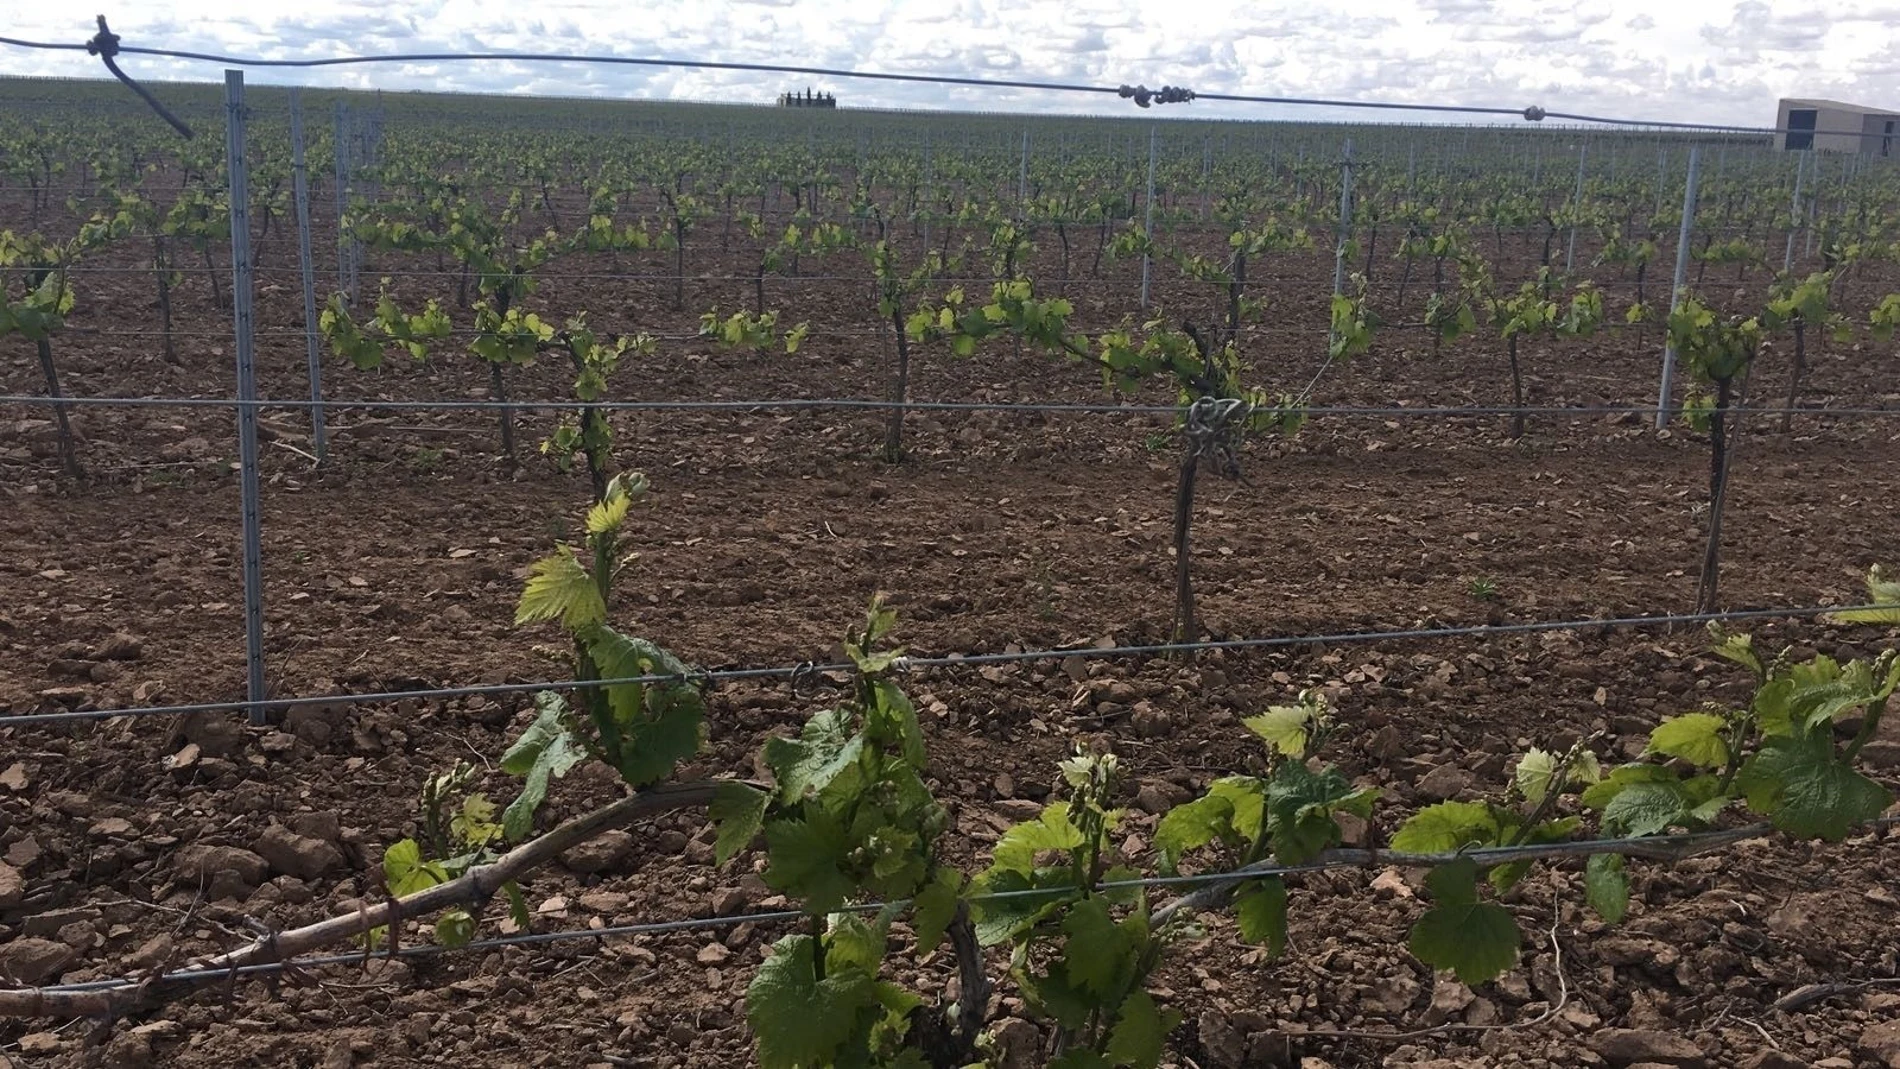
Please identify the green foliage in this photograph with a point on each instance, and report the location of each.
(1077, 962)
(1475, 941)
(744, 330)
(44, 294)
(849, 818)
(1884, 318)
(1778, 755)
(1883, 595)
(1353, 322)
(1713, 348)
(643, 717)
(454, 838)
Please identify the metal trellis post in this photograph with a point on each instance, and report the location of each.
(1022, 172)
(1576, 205)
(1148, 219)
(1675, 288)
(243, 322)
(1794, 210)
(1345, 221)
(340, 154)
(300, 183)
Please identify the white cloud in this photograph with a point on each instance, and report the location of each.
(1713, 62)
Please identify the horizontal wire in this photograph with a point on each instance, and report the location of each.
(1684, 843)
(807, 403)
(1531, 114)
(958, 660)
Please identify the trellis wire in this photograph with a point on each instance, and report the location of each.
(956, 660)
(1533, 113)
(1681, 845)
(811, 403)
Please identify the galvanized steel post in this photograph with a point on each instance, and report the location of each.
(300, 184)
(1148, 219)
(1576, 205)
(243, 320)
(1675, 289)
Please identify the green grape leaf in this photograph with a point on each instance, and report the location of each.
(826, 748)
(1095, 948)
(738, 811)
(1001, 908)
(1804, 789)
(1192, 825)
(1647, 809)
(1284, 728)
(1692, 737)
(851, 942)
(1476, 941)
(559, 587)
(1448, 826)
(806, 858)
(1141, 1032)
(1261, 912)
(517, 904)
(800, 1021)
(1607, 886)
(545, 752)
(1600, 794)
(1300, 810)
(936, 906)
(455, 928)
(1051, 830)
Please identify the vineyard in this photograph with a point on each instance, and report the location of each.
(560, 582)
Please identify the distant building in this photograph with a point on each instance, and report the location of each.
(809, 100)
(1831, 126)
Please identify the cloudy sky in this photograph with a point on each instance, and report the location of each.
(1696, 60)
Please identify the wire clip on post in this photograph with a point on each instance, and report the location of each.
(1167, 94)
(105, 45)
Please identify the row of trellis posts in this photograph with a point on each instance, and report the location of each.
(357, 146)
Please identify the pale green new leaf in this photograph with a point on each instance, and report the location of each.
(560, 588)
(1692, 737)
(1883, 593)
(1284, 728)
(1534, 773)
(608, 515)
(1448, 826)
